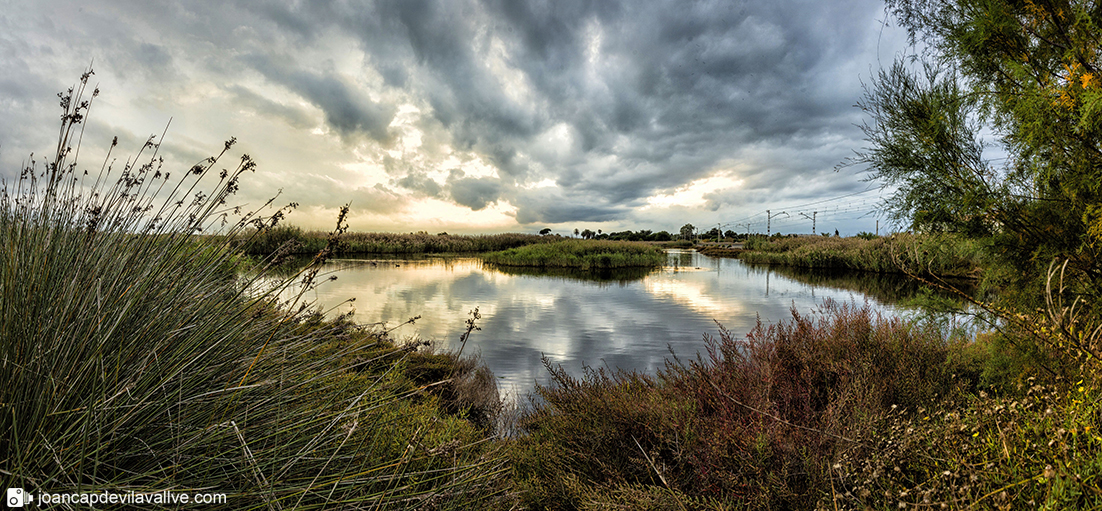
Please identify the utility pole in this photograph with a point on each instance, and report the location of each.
(747, 224)
(719, 226)
(812, 218)
(769, 221)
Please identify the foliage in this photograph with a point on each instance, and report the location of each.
(687, 231)
(1028, 72)
(293, 240)
(640, 235)
(753, 423)
(135, 360)
(1037, 447)
(596, 254)
(945, 255)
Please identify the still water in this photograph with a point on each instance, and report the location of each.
(623, 320)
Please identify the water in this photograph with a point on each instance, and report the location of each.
(620, 320)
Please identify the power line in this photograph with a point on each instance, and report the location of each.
(836, 212)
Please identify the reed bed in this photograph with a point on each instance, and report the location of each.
(134, 361)
(942, 255)
(310, 242)
(581, 254)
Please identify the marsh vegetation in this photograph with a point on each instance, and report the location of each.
(136, 356)
(581, 254)
(134, 361)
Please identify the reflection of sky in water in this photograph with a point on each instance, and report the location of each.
(572, 321)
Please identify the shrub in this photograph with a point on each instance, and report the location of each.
(754, 423)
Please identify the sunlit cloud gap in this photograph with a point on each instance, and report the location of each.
(470, 116)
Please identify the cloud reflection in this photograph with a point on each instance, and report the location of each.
(629, 324)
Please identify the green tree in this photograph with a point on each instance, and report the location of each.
(687, 231)
(545, 231)
(1028, 72)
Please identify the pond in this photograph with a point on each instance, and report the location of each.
(628, 320)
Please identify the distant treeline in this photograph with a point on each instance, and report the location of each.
(293, 240)
(640, 235)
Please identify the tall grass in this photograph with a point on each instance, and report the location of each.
(133, 360)
(582, 254)
(943, 255)
(310, 242)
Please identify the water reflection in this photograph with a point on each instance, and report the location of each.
(628, 320)
(602, 276)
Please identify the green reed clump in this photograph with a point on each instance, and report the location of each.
(133, 359)
(309, 242)
(944, 255)
(754, 423)
(582, 254)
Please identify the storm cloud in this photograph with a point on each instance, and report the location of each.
(623, 114)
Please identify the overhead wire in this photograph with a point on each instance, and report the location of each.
(840, 211)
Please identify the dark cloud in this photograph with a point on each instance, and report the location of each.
(348, 109)
(612, 102)
(421, 184)
(292, 115)
(475, 193)
(546, 205)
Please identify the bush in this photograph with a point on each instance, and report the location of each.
(753, 423)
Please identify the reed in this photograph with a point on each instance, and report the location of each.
(582, 254)
(943, 255)
(134, 360)
(310, 242)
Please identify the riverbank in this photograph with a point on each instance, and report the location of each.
(581, 254)
(841, 409)
(946, 256)
(291, 240)
(136, 358)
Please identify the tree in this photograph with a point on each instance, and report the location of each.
(588, 234)
(575, 232)
(1028, 72)
(687, 231)
(545, 231)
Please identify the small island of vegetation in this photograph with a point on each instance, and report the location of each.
(581, 254)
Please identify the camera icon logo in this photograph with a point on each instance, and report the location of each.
(16, 497)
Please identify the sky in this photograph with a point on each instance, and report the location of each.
(475, 116)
